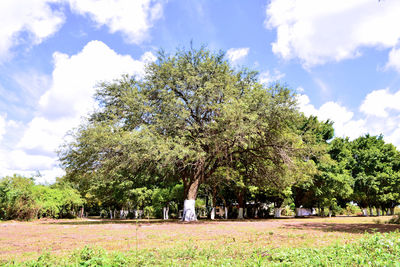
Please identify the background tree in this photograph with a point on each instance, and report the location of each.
(315, 135)
(376, 171)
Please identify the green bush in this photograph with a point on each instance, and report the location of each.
(21, 199)
(395, 219)
(16, 198)
(352, 209)
(104, 214)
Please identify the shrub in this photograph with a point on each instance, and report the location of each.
(21, 199)
(395, 219)
(16, 199)
(352, 209)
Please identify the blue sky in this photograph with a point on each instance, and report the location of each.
(342, 57)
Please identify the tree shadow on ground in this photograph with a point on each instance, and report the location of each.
(108, 221)
(345, 227)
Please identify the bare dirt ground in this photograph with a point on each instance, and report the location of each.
(25, 240)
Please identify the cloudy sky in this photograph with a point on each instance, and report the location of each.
(342, 57)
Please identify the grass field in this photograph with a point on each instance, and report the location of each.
(247, 242)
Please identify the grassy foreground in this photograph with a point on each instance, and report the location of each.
(372, 249)
(339, 241)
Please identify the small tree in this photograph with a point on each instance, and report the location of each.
(16, 198)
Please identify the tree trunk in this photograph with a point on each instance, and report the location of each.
(371, 211)
(364, 212)
(297, 212)
(391, 211)
(384, 211)
(214, 204)
(240, 214)
(111, 214)
(189, 211)
(378, 212)
(165, 212)
(241, 205)
(225, 209)
(278, 208)
(212, 213)
(207, 204)
(330, 213)
(278, 212)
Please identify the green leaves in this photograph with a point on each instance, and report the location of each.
(376, 172)
(21, 199)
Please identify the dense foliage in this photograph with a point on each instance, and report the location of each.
(21, 199)
(191, 120)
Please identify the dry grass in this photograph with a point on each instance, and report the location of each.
(26, 240)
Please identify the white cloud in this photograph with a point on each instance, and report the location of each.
(379, 114)
(236, 54)
(44, 135)
(46, 175)
(394, 60)
(71, 95)
(322, 85)
(334, 111)
(317, 31)
(20, 160)
(32, 84)
(379, 102)
(36, 18)
(303, 101)
(344, 123)
(29, 22)
(75, 78)
(6, 126)
(62, 106)
(132, 18)
(2, 126)
(267, 77)
(394, 137)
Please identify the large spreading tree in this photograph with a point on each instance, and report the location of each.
(192, 114)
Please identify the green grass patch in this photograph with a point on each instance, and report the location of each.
(372, 249)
